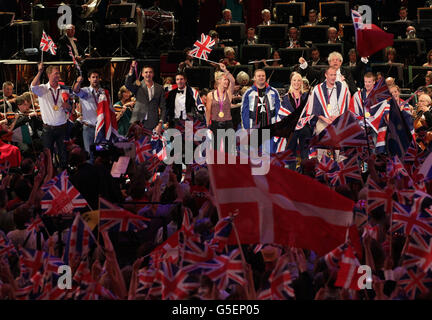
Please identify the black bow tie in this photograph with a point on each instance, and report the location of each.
(180, 91)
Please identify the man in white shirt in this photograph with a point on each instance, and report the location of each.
(89, 98)
(53, 109)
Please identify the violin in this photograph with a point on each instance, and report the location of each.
(423, 137)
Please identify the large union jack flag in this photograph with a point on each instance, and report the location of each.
(62, 197)
(279, 283)
(79, 240)
(379, 199)
(202, 48)
(113, 218)
(412, 219)
(345, 131)
(221, 234)
(419, 252)
(47, 44)
(415, 282)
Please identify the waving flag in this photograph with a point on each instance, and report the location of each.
(202, 48)
(106, 126)
(414, 219)
(380, 199)
(425, 171)
(395, 168)
(113, 218)
(369, 38)
(47, 44)
(221, 234)
(348, 276)
(333, 257)
(62, 197)
(344, 131)
(281, 159)
(277, 207)
(347, 171)
(143, 150)
(279, 283)
(416, 282)
(79, 240)
(325, 166)
(419, 252)
(73, 59)
(6, 246)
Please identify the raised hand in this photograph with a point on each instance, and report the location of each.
(302, 60)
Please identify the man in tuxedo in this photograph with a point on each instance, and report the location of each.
(183, 101)
(68, 40)
(316, 58)
(335, 61)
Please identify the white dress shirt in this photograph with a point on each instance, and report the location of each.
(333, 101)
(150, 91)
(89, 98)
(180, 105)
(50, 116)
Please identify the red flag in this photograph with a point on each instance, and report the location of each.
(369, 38)
(348, 275)
(282, 207)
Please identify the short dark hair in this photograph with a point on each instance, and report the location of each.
(50, 68)
(181, 74)
(93, 71)
(146, 67)
(403, 8)
(314, 49)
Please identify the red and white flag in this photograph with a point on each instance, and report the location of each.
(348, 275)
(47, 44)
(203, 47)
(282, 207)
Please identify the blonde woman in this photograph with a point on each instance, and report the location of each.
(218, 107)
(294, 99)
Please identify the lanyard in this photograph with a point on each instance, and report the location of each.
(220, 102)
(56, 97)
(297, 101)
(329, 96)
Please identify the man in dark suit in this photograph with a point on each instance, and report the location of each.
(183, 101)
(316, 58)
(68, 40)
(335, 61)
(150, 98)
(226, 18)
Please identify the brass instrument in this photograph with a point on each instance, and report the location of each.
(89, 8)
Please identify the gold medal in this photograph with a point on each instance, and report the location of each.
(137, 82)
(367, 114)
(56, 107)
(328, 106)
(221, 114)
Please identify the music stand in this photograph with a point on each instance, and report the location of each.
(314, 34)
(337, 11)
(398, 28)
(326, 48)
(409, 49)
(236, 32)
(278, 77)
(117, 12)
(290, 13)
(424, 16)
(200, 77)
(290, 56)
(416, 76)
(394, 70)
(254, 52)
(272, 33)
(45, 13)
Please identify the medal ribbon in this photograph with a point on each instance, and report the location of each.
(56, 97)
(220, 102)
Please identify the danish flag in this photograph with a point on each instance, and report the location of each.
(203, 47)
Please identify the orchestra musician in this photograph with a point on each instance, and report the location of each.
(423, 121)
(123, 109)
(8, 101)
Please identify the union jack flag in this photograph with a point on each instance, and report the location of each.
(146, 278)
(375, 120)
(167, 250)
(221, 234)
(346, 171)
(32, 261)
(35, 225)
(395, 168)
(203, 47)
(113, 218)
(176, 283)
(325, 166)
(379, 93)
(62, 197)
(281, 159)
(79, 240)
(348, 276)
(303, 121)
(225, 269)
(411, 154)
(106, 126)
(413, 219)
(379, 199)
(73, 58)
(344, 131)
(415, 282)
(47, 44)
(6, 246)
(46, 186)
(279, 284)
(371, 231)
(143, 149)
(419, 252)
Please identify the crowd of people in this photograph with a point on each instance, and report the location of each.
(155, 231)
